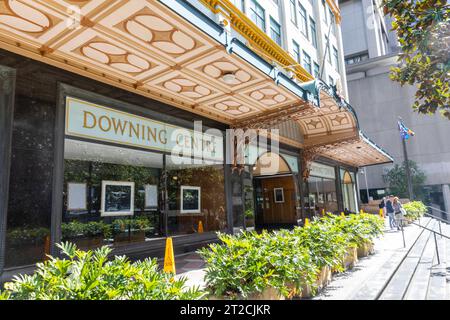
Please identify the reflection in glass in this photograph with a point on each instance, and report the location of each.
(349, 191)
(322, 196)
(119, 178)
(196, 196)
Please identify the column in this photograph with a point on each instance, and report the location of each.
(7, 89)
(446, 194)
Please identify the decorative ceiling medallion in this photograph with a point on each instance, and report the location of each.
(159, 33)
(314, 124)
(268, 96)
(25, 18)
(186, 87)
(219, 68)
(339, 120)
(232, 107)
(109, 54)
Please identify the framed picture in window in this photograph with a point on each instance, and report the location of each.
(76, 196)
(278, 195)
(190, 199)
(117, 198)
(151, 196)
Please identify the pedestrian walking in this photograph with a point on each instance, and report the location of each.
(382, 205)
(398, 214)
(390, 212)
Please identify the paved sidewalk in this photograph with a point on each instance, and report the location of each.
(369, 276)
(362, 282)
(190, 266)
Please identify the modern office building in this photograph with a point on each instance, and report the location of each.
(371, 49)
(98, 143)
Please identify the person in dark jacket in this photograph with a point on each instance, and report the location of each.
(390, 212)
(382, 205)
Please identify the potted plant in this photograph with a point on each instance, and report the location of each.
(105, 279)
(249, 218)
(131, 229)
(27, 244)
(85, 235)
(255, 266)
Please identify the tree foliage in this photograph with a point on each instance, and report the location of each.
(398, 183)
(423, 29)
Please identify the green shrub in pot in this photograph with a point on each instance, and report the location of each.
(89, 275)
(414, 210)
(249, 263)
(31, 235)
(325, 242)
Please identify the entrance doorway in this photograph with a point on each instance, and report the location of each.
(275, 194)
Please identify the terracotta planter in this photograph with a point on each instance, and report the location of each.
(323, 279)
(307, 292)
(350, 258)
(134, 236)
(25, 253)
(365, 249)
(88, 242)
(266, 294)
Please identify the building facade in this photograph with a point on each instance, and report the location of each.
(370, 51)
(116, 127)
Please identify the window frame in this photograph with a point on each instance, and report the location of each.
(336, 58)
(293, 12)
(273, 22)
(303, 20)
(307, 62)
(313, 28)
(254, 7)
(297, 55)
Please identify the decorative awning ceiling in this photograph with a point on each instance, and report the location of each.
(145, 47)
(168, 51)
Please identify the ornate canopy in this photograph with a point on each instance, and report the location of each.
(169, 51)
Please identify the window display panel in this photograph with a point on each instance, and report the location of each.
(316, 202)
(349, 191)
(331, 203)
(322, 196)
(111, 194)
(196, 196)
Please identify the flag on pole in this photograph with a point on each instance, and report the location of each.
(405, 132)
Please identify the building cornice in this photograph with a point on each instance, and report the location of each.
(257, 39)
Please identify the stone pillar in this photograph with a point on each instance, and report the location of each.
(7, 90)
(446, 194)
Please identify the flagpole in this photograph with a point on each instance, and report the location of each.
(407, 168)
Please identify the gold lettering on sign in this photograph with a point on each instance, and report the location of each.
(121, 127)
(85, 125)
(163, 136)
(135, 130)
(151, 132)
(118, 126)
(101, 122)
(107, 124)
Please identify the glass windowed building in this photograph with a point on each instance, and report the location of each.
(116, 126)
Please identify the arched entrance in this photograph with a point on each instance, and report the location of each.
(275, 192)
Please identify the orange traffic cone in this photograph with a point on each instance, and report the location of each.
(169, 257)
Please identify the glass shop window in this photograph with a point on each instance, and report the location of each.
(111, 194)
(349, 191)
(322, 196)
(196, 196)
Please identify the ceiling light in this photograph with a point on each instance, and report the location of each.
(229, 77)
